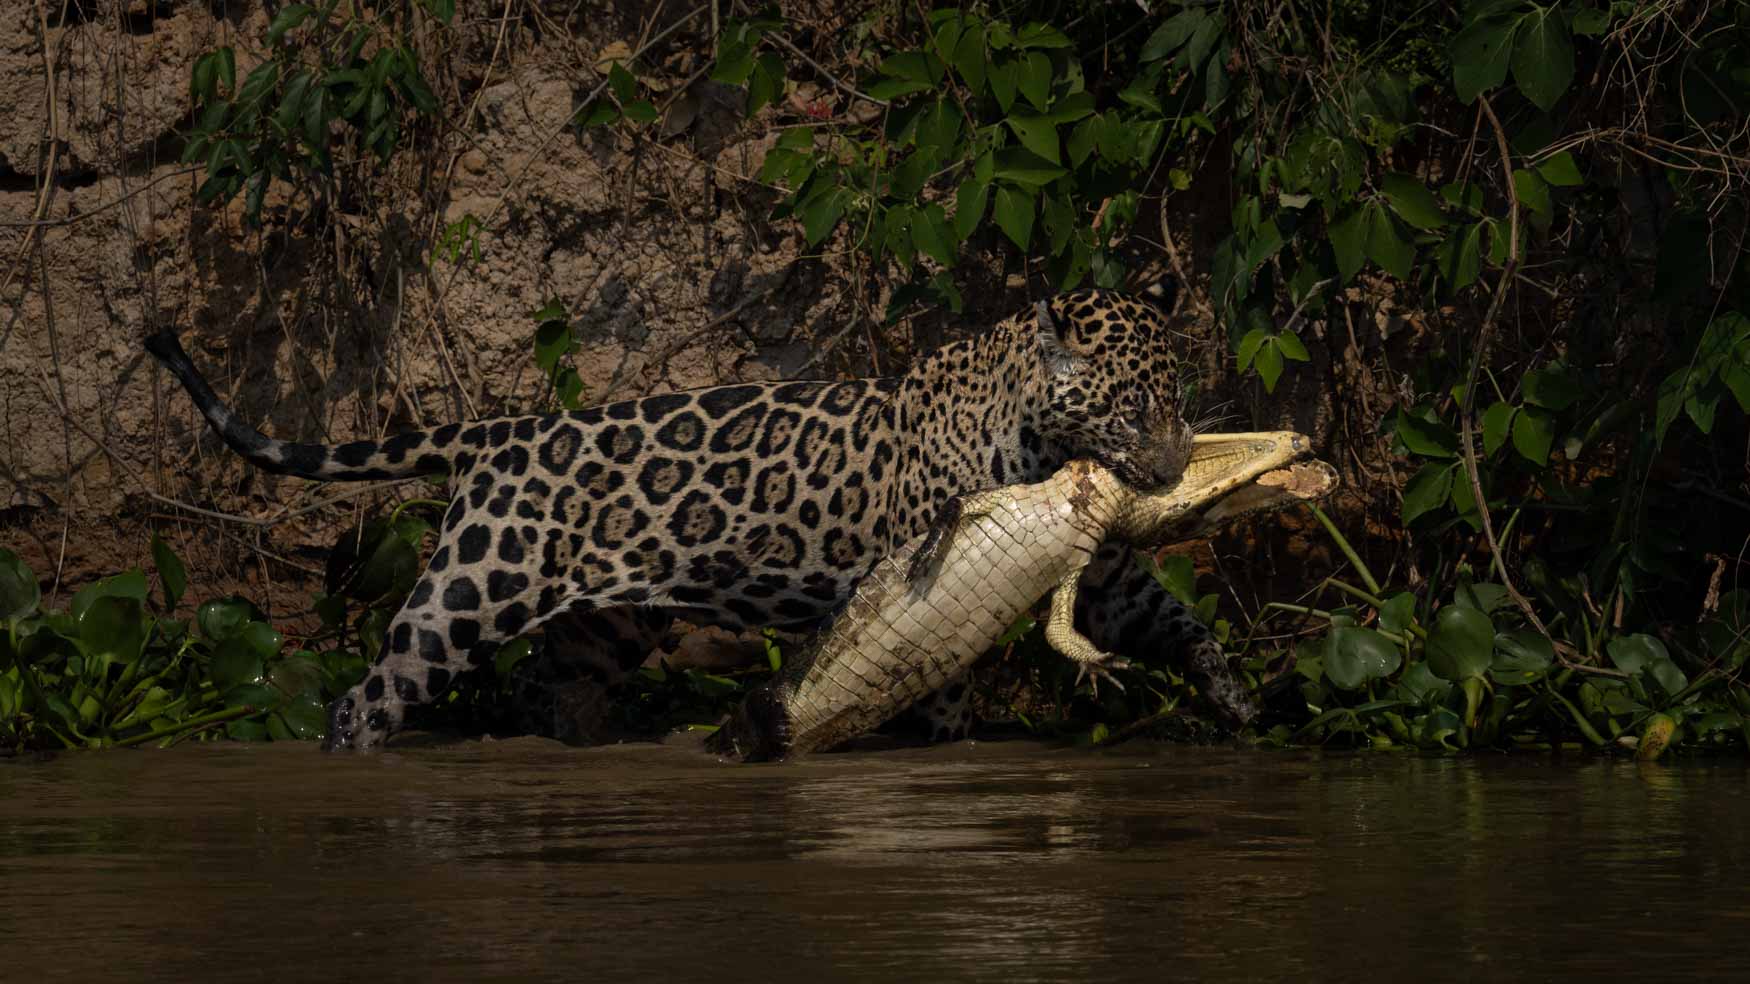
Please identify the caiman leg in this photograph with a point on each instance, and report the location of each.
(1061, 634)
(954, 512)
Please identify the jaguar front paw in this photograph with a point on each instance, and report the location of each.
(358, 726)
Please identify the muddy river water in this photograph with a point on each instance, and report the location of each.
(1001, 861)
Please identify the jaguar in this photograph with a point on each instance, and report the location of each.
(747, 505)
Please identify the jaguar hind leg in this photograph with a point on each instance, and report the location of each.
(560, 692)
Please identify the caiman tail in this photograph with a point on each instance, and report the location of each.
(401, 456)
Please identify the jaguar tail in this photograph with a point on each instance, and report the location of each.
(401, 456)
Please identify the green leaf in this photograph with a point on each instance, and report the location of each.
(19, 593)
(1176, 574)
(171, 573)
(1497, 424)
(200, 81)
(1386, 245)
(1560, 170)
(131, 584)
(1533, 433)
(910, 65)
(821, 215)
(930, 232)
(292, 101)
(1140, 95)
(1481, 55)
(1081, 142)
(1412, 200)
(1436, 726)
(114, 627)
(1429, 438)
(1398, 613)
(553, 341)
(1292, 347)
(263, 639)
(1037, 134)
(1354, 656)
(568, 387)
(1533, 192)
(1348, 237)
(946, 40)
(289, 17)
(1643, 654)
(1172, 34)
(940, 127)
(640, 111)
(1461, 643)
(1038, 35)
(601, 113)
(222, 618)
(1025, 168)
(1004, 78)
(1552, 389)
(969, 205)
(305, 717)
(227, 67)
(735, 61)
(891, 89)
(553, 310)
(418, 93)
(1543, 56)
(1269, 363)
(1461, 257)
(1201, 44)
(1014, 215)
(235, 663)
(1249, 346)
(1466, 196)
(1035, 80)
(624, 86)
(1060, 222)
(1591, 22)
(1464, 500)
(970, 59)
(765, 86)
(1419, 685)
(1266, 240)
(1427, 490)
(259, 83)
(1070, 107)
(1521, 656)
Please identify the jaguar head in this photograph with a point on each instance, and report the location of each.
(1113, 386)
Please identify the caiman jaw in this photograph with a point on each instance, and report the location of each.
(1219, 465)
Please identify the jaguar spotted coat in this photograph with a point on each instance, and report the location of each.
(744, 505)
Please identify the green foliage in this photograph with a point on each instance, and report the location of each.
(1472, 673)
(1357, 151)
(331, 85)
(555, 346)
(115, 669)
(983, 117)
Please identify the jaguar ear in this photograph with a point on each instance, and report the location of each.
(1163, 293)
(1058, 358)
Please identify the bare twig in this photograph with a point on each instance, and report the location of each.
(837, 82)
(1485, 335)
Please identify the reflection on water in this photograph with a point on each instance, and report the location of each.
(998, 861)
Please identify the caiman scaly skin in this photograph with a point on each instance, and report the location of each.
(927, 611)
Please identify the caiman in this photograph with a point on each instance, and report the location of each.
(930, 609)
